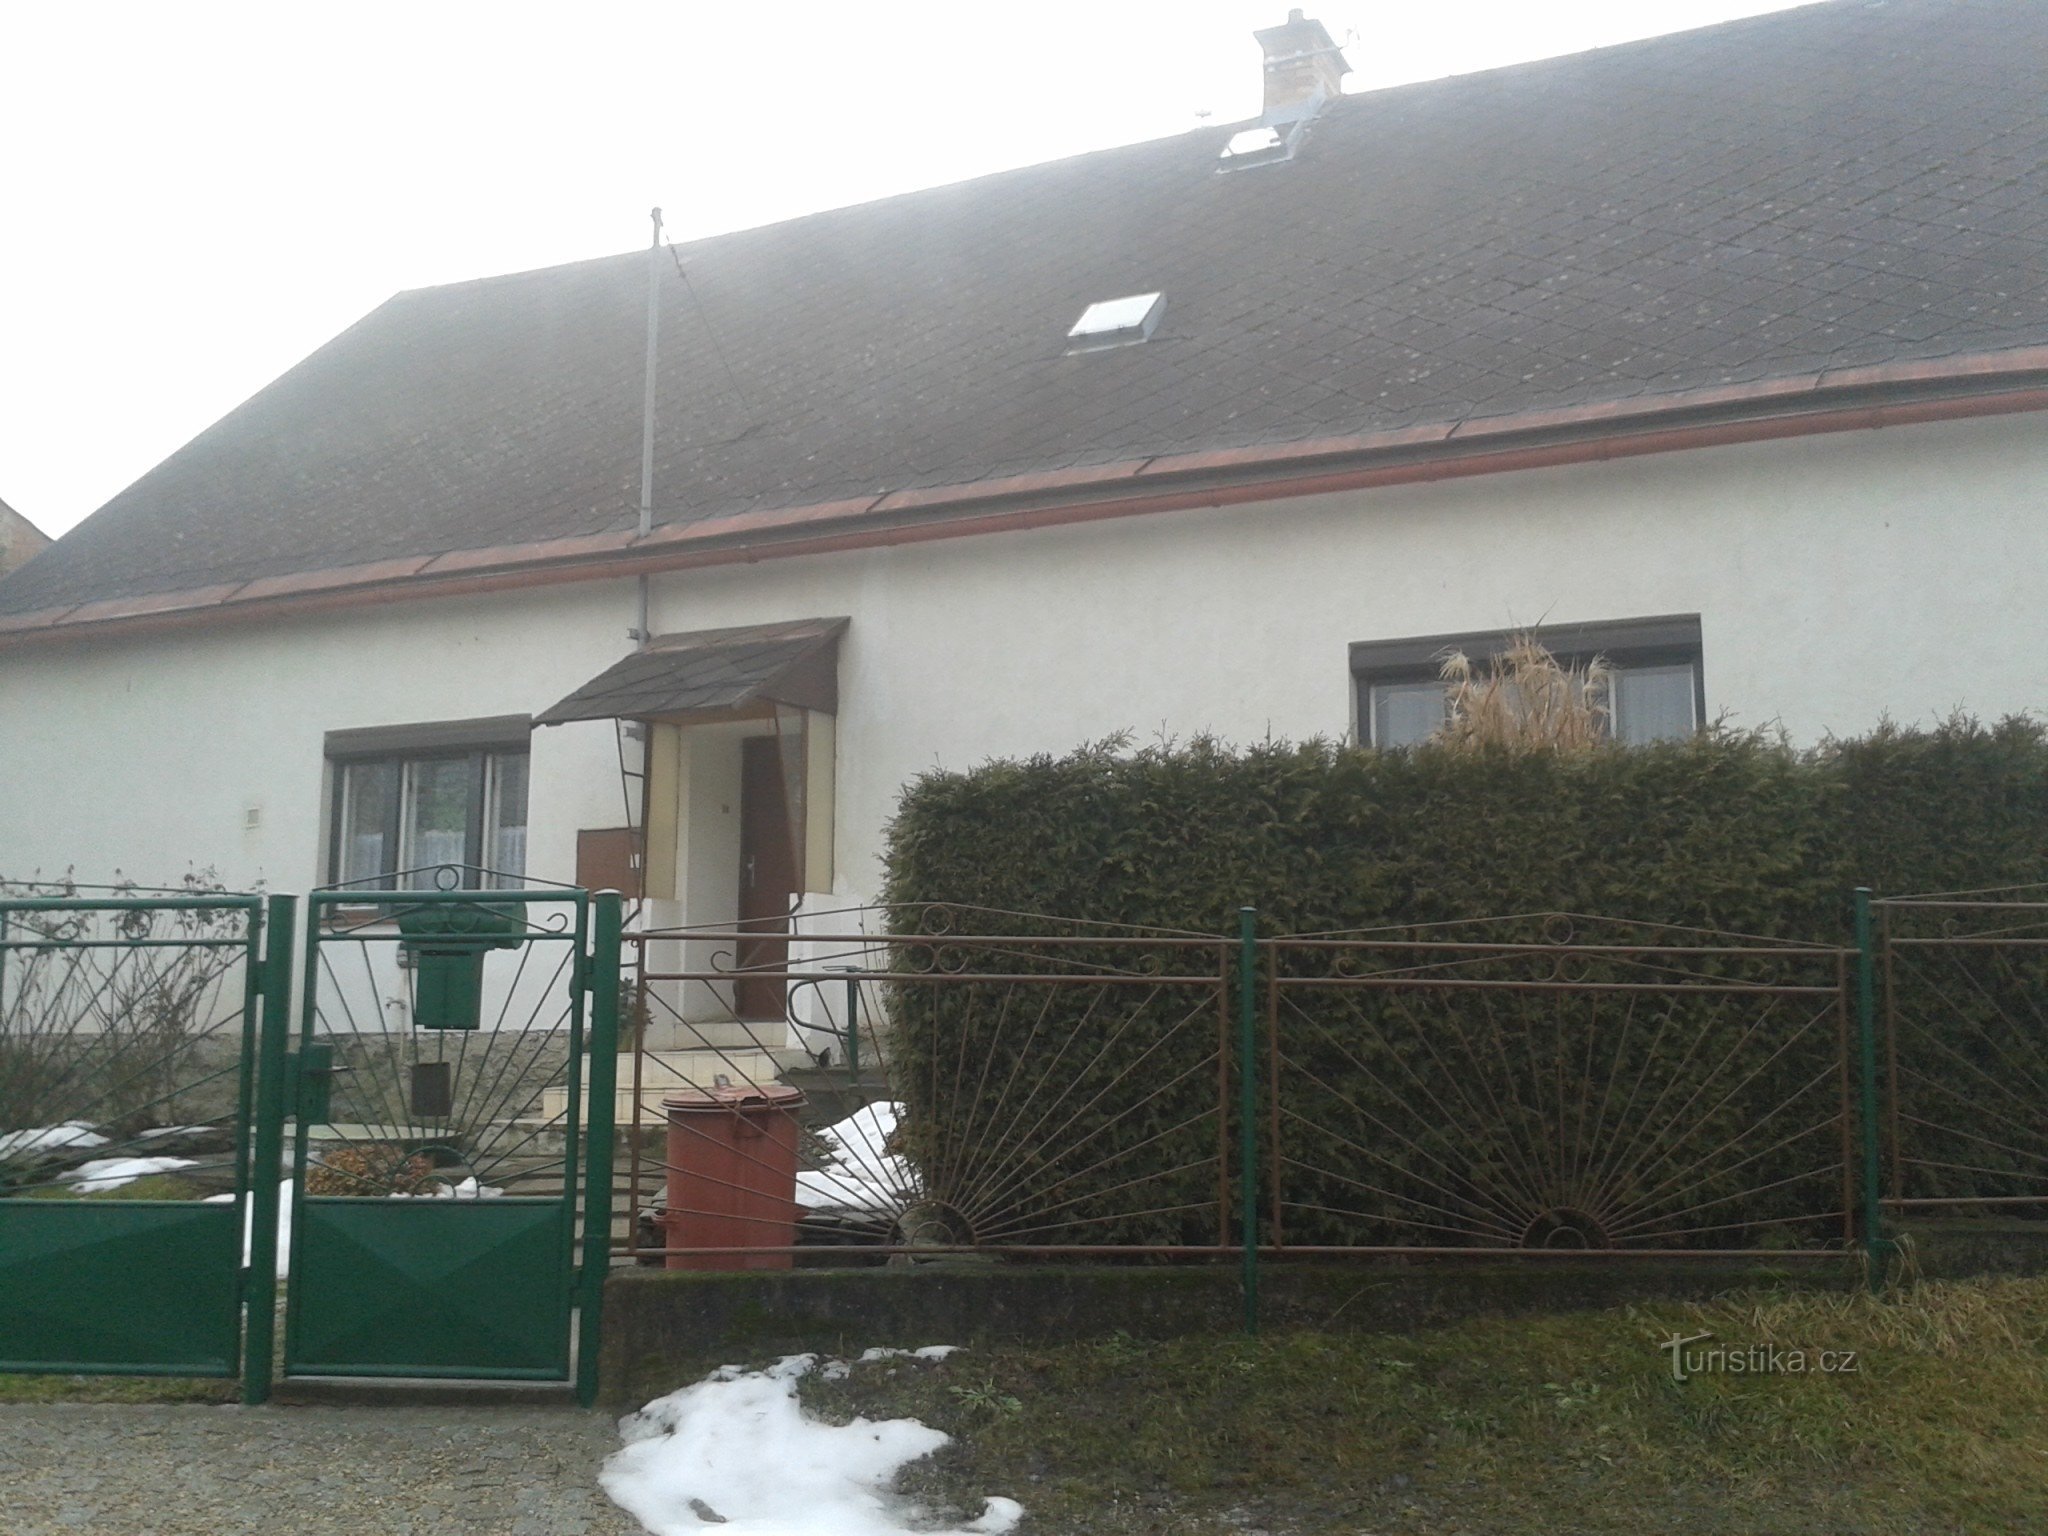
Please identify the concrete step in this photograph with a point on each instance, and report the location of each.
(728, 1034)
(664, 1072)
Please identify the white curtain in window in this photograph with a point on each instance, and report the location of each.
(434, 828)
(1653, 704)
(1406, 713)
(367, 791)
(505, 819)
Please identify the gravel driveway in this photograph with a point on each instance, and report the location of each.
(177, 1469)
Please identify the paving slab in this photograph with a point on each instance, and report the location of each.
(179, 1469)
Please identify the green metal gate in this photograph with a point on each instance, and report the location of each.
(128, 1177)
(450, 1095)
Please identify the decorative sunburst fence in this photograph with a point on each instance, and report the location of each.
(1965, 988)
(1046, 1092)
(450, 1102)
(1528, 1087)
(1557, 1084)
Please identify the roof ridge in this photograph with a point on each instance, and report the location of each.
(1346, 102)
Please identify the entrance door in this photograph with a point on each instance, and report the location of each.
(767, 878)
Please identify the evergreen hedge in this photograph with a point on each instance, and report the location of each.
(1727, 831)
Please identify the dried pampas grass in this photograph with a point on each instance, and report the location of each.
(1526, 700)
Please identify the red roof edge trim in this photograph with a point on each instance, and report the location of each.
(1853, 399)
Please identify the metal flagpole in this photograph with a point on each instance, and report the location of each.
(642, 631)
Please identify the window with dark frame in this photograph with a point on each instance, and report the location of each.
(417, 797)
(1656, 691)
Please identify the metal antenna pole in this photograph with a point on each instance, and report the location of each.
(642, 630)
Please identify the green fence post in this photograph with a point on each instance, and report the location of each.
(1248, 1107)
(598, 1131)
(1874, 1244)
(260, 1290)
(853, 1028)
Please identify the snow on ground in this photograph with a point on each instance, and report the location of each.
(860, 1173)
(736, 1452)
(468, 1189)
(98, 1175)
(929, 1352)
(49, 1138)
(284, 1224)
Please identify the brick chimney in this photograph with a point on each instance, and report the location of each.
(1305, 72)
(1304, 68)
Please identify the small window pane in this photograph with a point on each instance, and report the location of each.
(1406, 713)
(1654, 704)
(505, 821)
(368, 794)
(435, 827)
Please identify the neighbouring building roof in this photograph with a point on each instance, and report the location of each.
(713, 671)
(20, 539)
(1844, 196)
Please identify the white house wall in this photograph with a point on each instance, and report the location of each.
(145, 756)
(1838, 579)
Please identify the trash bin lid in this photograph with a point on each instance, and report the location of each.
(745, 1096)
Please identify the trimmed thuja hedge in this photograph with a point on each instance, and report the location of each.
(1733, 832)
(1727, 831)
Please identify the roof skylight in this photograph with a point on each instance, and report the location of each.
(1268, 143)
(1260, 143)
(1116, 322)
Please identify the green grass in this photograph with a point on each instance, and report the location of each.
(1561, 1425)
(117, 1389)
(151, 1186)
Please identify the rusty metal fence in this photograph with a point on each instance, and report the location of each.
(982, 1083)
(1558, 1085)
(1965, 1041)
(1053, 1093)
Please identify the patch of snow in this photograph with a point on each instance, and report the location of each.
(864, 1134)
(821, 1191)
(738, 1452)
(860, 1173)
(929, 1352)
(284, 1224)
(49, 1138)
(468, 1189)
(98, 1175)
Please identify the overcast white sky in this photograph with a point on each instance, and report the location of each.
(195, 195)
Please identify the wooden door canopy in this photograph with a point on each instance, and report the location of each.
(715, 674)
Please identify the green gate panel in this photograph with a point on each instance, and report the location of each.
(120, 1286)
(458, 1288)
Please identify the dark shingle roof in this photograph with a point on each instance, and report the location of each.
(710, 670)
(1845, 184)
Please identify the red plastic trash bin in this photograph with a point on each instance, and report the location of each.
(732, 1175)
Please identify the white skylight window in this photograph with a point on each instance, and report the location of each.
(1116, 322)
(1270, 143)
(1253, 142)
